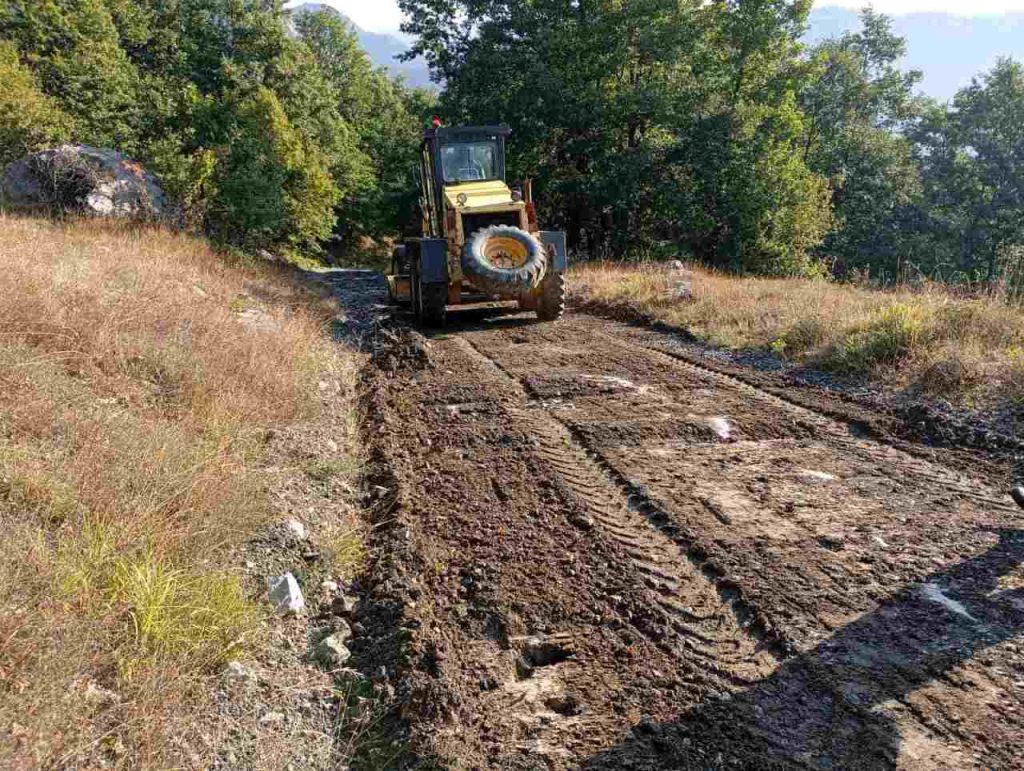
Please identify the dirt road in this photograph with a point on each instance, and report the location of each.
(594, 552)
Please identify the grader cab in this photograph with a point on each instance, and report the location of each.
(480, 244)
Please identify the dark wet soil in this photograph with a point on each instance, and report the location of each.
(594, 549)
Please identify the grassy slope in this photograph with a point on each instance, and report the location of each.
(139, 375)
(926, 339)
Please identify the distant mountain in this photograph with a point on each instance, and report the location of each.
(383, 49)
(948, 49)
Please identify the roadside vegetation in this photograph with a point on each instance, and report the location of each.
(140, 377)
(926, 338)
(268, 130)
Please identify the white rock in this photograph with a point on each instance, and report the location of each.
(285, 594)
(329, 588)
(97, 694)
(934, 593)
(332, 651)
(331, 445)
(721, 428)
(812, 476)
(257, 320)
(295, 528)
(237, 673)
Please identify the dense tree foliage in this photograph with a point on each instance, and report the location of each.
(650, 127)
(268, 130)
(668, 126)
(29, 120)
(971, 216)
(645, 121)
(857, 101)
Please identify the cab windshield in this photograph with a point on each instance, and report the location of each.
(470, 161)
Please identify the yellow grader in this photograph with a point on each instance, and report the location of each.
(480, 244)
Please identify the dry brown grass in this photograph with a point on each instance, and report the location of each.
(924, 338)
(134, 403)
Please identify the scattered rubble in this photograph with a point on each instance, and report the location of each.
(332, 651)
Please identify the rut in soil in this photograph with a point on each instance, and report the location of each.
(618, 557)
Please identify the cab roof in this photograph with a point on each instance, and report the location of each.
(453, 132)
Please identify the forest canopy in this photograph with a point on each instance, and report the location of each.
(652, 128)
(270, 130)
(707, 129)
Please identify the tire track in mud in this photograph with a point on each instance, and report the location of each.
(709, 612)
(580, 543)
(828, 420)
(915, 456)
(926, 721)
(456, 410)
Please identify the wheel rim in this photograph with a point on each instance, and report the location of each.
(502, 252)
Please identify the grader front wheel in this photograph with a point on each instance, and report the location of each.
(551, 301)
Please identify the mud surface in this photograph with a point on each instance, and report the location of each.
(595, 551)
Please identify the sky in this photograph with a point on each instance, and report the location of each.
(956, 7)
(384, 16)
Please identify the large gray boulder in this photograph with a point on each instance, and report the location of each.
(79, 178)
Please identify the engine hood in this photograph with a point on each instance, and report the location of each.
(480, 195)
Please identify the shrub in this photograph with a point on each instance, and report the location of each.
(272, 186)
(891, 336)
(928, 338)
(804, 335)
(29, 120)
(175, 611)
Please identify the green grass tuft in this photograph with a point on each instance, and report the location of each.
(172, 611)
(888, 339)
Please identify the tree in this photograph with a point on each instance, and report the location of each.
(265, 138)
(857, 101)
(29, 119)
(385, 119)
(73, 47)
(272, 187)
(642, 120)
(973, 160)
